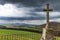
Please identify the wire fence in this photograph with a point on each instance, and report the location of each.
(10, 37)
(17, 37)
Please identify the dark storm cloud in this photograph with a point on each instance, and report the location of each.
(34, 3)
(55, 4)
(38, 6)
(25, 2)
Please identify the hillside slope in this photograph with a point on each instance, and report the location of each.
(54, 25)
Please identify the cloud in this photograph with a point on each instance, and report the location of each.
(28, 9)
(25, 2)
(34, 22)
(10, 10)
(38, 4)
(27, 13)
(55, 20)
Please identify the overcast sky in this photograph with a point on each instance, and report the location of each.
(28, 11)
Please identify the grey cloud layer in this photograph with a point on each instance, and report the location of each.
(38, 6)
(25, 2)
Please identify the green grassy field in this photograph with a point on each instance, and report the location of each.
(23, 35)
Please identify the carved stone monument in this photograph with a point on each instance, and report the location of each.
(48, 33)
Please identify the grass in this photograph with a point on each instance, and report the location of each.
(57, 38)
(19, 35)
(23, 35)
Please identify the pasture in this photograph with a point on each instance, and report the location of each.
(19, 35)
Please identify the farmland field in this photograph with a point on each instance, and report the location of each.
(19, 35)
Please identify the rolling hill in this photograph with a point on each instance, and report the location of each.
(54, 25)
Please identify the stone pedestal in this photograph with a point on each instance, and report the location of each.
(47, 35)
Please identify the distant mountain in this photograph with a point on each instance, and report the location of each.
(19, 25)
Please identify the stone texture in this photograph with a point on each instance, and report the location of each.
(47, 35)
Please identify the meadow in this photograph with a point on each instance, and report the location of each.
(19, 35)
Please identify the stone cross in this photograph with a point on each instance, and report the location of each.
(47, 33)
(47, 15)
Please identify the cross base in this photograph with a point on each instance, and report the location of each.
(47, 35)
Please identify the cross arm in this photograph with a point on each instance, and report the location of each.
(47, 10)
